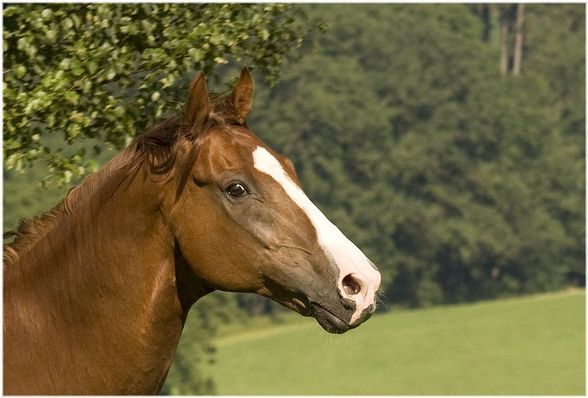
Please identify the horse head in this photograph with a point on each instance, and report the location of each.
(243, 222)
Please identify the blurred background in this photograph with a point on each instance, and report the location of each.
(447, 141)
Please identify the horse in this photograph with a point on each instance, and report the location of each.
(97, 290)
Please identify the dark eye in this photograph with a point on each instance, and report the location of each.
(236, 190)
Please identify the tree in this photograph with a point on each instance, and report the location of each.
(505, 13)
(511, 19)
(518, 49)
(106, 71)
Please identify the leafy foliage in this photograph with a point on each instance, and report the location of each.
(107, 71)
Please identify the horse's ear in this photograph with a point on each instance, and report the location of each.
(243, 95)
(198, 105)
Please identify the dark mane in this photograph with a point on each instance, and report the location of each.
(156, 149)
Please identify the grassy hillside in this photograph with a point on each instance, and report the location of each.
(531, 345)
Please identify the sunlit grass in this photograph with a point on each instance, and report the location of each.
(530, 345)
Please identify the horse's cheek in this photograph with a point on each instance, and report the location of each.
(194, 230)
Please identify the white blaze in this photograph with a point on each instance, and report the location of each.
(346, 256)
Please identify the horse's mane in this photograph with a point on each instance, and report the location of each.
(156, 148)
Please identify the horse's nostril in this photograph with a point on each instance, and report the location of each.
(351, 285)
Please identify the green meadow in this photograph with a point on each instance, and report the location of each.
(529, 345)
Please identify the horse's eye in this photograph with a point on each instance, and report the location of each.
(236, 190)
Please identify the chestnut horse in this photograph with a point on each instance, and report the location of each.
(96, 291)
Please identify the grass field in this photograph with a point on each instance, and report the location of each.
(531, 345)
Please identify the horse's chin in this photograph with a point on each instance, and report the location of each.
(328, 321)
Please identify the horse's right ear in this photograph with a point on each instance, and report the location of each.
(198, 105)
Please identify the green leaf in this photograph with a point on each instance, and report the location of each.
(20, 71)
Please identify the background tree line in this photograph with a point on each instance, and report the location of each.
(447, 141)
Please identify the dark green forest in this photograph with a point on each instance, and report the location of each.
(447, 141)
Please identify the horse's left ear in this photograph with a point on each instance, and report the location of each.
(243, 95)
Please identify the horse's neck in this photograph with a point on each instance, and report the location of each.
(102, 289)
